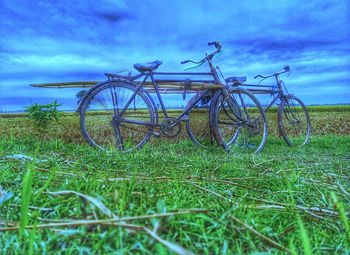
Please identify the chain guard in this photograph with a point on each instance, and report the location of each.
(169, 129)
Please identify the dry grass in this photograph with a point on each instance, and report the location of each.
(334, 121)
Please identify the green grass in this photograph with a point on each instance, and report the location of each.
(262, 191)
(25, 199)
(265, 193)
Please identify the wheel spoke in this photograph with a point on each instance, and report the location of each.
(114, 101)
(294, 121)
(240, 120)
(106, 118)
(198, 125)
(118, 137)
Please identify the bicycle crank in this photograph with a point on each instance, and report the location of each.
(170, 127)
(253, 126)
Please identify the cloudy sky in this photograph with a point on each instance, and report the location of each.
(71, 40)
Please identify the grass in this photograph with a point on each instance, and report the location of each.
(312, 108)
(166, 178)
(326, 120)
(25, 199)
(305, 238)
(171, 197)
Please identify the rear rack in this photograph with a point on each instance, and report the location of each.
(257, 89)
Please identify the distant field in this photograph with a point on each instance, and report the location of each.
(313, 108)
(324, 120)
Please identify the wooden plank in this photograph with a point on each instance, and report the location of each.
(165, 85)
(74, 84)
(262, 91)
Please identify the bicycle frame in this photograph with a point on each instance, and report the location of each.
(277, 91)
(140, 80)
(156, 82)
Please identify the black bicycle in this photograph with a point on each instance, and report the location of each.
(293, 118)
(120, 112)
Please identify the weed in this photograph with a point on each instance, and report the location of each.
(43, 115)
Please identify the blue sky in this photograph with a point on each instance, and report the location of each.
(52, 41)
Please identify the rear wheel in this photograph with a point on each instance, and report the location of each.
(198, 124)
(106, 124)
(239, 121)
(294, 121)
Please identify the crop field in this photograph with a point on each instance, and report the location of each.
(60, 196)
(325, 120)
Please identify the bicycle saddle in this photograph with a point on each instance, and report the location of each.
(149, 66)
(236, 80)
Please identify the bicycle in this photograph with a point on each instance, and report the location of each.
(293, 118)
(120, 112)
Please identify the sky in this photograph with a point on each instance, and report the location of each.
(70, 40)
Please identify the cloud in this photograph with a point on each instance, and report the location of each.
(45, 41)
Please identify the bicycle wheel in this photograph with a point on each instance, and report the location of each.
(105, 125)
(239, 121)
(198, 124)
(294, 121)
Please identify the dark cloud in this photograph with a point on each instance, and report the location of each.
(112, 17)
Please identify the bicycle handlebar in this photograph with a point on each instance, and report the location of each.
(190, 61)
(218, 49)
(286, 70)
(260, 76)
(216, 44)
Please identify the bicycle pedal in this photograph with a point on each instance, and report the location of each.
(156, 134)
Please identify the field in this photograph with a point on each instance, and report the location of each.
(325, 120)
(68, 198)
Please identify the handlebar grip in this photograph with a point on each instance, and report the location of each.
(184, 62)
(217, 44)
(256, 76)
(286, 68)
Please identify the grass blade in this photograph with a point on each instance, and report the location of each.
(25, 199)
(171, 246)
(90, 199)
(264, 238)
(304, 238)
(343, 217)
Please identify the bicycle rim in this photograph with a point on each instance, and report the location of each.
(294, 121)
(105, 127)
(240, 121)
(198, 125)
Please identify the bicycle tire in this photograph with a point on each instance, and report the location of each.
(239, 120)
(294, 121)
(199, 121)
(101, 125)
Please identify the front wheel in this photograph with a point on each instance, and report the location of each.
(294, 121)
(115, 115)
(198, 124)
(239, 121)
